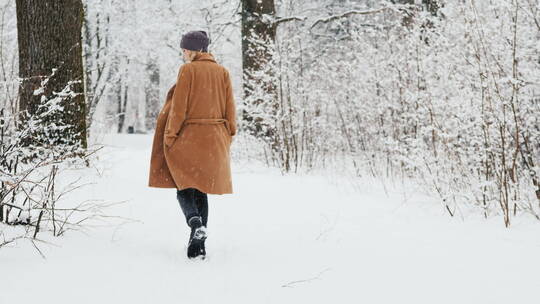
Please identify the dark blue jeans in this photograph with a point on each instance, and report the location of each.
(193, 203)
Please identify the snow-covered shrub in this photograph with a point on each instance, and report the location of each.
(30, 169)
(447, 98)
(466, 101)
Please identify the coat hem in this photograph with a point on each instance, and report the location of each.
(202, 190)
(161, 186)
(184, 187)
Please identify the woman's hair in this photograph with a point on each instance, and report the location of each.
(192, 54)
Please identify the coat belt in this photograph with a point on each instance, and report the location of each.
(210, 121)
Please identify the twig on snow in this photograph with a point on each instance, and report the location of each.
(292, 283)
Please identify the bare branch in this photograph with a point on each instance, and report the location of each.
(288, 19)
(347, 14)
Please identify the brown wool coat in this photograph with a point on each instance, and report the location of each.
(194, 130)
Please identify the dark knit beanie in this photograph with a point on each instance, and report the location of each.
(195, 41)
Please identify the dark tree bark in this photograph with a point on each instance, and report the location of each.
(49, 37)
(432, 6)
(152, 94)
(258, 37)
(253, 28)
(121, 94)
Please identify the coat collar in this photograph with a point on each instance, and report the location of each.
(204, 56)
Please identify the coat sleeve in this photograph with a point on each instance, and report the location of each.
(177, 113)
(230, 106)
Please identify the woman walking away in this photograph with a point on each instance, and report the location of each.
(194, 131)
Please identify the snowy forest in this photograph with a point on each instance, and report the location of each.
(425, 111)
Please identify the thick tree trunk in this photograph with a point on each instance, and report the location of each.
(49, 37)
(258, 37)
(255, 28)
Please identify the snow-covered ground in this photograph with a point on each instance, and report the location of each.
(277, 239)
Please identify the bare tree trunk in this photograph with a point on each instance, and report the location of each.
(258, 37)
(152, 94)
(49, 37)
(121, 94)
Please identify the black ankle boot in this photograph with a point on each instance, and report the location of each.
(196, 247)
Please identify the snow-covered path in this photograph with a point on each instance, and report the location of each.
(277, 239)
